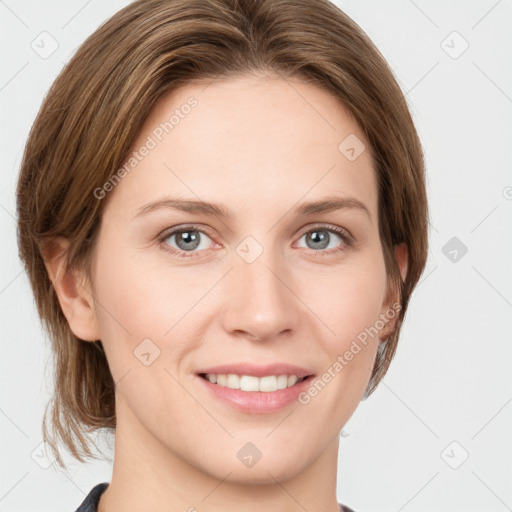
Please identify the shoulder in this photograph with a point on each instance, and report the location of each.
(90, 504)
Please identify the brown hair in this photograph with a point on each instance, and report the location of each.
(94, 109)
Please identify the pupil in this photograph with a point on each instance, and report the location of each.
(320, 239)
(188, 237)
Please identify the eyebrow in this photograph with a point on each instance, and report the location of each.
(325, 205)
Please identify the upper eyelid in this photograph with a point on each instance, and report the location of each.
(326, 226)
(166, 233)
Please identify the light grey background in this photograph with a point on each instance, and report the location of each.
(448, 392)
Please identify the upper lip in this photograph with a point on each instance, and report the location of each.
(258, 370)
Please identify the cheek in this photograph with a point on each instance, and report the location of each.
(139, 295)
(349, 299)
(142, 298)
(131, 303)
(349, 302)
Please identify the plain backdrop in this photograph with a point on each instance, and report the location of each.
(435, 436)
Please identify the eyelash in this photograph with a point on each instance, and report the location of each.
(348, 240)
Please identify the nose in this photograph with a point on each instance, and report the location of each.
(260, 302)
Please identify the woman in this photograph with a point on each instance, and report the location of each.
(272, 138)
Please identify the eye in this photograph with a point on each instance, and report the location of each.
(327, 237)
(185, 239)
(188, 241)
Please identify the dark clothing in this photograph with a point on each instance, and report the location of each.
(90, 504)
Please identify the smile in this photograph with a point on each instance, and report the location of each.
(266, 384)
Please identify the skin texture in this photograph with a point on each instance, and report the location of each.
(258, 145)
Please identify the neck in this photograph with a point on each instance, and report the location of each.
(148, 475)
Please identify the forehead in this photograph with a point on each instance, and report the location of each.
(248, 141)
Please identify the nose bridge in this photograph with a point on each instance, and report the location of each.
(260, 302)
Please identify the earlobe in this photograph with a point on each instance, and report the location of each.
(72, 291)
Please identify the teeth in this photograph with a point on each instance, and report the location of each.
(250, 383)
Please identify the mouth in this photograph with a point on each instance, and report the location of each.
(252, 383)
(255, 388)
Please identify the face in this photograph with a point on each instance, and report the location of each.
(264, 283)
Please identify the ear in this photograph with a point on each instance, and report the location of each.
(402, 258)
(389, 306)
(72, 289)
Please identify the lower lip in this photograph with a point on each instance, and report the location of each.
(257, 401)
